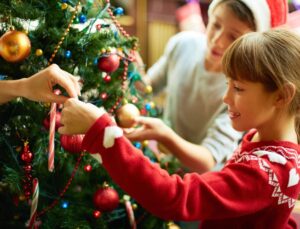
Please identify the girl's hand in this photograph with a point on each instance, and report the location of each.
(150, 129)
(77, 117)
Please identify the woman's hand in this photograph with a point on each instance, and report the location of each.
(39, 87)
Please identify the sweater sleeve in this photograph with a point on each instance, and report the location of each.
(158, 72)
(230, 193)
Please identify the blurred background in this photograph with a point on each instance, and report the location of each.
(153, 22)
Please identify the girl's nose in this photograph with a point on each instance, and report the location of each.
(220, 39)
(226, 97)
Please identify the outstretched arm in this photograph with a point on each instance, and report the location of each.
(196, 157)
(195, 197)
(39, 87)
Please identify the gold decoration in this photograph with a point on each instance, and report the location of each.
(22, 198)
(15, 46)
(126, 115)
(148, 89)
(134, 206)
(152, 104)
(64, 6)
(38, 52)
(64, 35)
(145, 143)
(172, 225)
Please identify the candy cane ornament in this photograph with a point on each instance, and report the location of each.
(34, 203)
(130, 212)
(52, 135)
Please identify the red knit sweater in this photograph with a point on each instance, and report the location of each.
(257, 188)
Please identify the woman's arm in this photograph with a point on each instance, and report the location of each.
(39, 87)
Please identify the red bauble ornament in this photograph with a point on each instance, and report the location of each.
(109, 63)
(96, 214)
(88, 168)
(27, 168)
(98, 27)
(46, 122)
(16, 200)
(143, 111)
(106, 199)
(71, 143)
(27, 156)
(107, 78)
(27, 194)
(103, 96)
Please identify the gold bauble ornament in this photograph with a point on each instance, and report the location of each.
(172, 225)
(145, 143)
(22, 198)
(64, 6)
(38, 52)
(126, 115)
(148, 89)
(134, 206)
(15, 46)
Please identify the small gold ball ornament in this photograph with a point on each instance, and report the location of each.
(22, 198)
(126, 115)
(64, 6)
(15, 46)
(172, 225)
(134, 206)
(148, 89)
(38, 52)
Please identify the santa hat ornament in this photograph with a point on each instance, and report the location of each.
(267, 13)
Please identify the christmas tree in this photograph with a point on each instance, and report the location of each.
(46, 181)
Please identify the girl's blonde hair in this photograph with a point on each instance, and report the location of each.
(271, 58)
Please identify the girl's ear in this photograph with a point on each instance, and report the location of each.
(285, 95)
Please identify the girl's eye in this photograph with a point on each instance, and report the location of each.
(232, 37)
(238, 89)
(217, 25)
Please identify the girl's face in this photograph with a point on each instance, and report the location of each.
(250, 105)
(223, 29)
